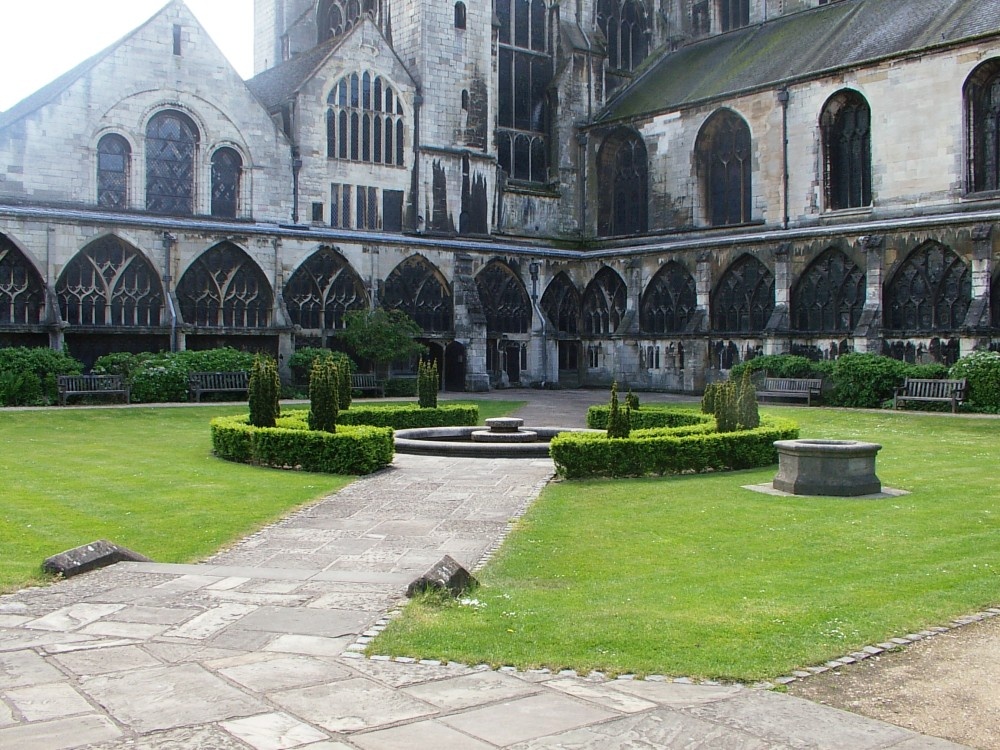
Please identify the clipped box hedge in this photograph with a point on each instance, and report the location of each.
(648, 417)
(689, 448)
(292, 445)
(410, 416)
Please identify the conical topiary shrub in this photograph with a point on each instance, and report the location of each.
(324, 382)
(264, 390)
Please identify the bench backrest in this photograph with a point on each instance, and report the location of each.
(933, 388)
(793, 385)
(364, 380)
(90, 383)
(237, 380)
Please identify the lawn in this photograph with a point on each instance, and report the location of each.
(143, 478)
(696, 576)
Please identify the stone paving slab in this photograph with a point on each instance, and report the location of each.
(244, 651)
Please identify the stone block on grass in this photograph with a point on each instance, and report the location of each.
(89, 557)
(446, 575)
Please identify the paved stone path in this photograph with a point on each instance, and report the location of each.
(258, 647)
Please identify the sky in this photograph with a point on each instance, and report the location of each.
(42, 39)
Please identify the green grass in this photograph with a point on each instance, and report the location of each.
(695, 576)
(143, 478)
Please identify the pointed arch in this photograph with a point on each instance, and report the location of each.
(669, 302)
(562, 304)
(225, 288)
(114, 164)
(830, 294)
(359, 124)
(336, 17)
(323, 290)
(110, 283)
(622, 184)
(744, 298)
(982, 126)
(845, 125)
(22, 291)
(604, 302)
(930, 292)
(626, 27)
(419, 289)
(724, 153)
(504, 299)
(227, 174)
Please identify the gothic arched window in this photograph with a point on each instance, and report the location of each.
(626, 29)
(830, 295)
(460, 15)
(562, 305)
(171, 148)
(323, 290)
(982, 118)
(224, 288)
(110, 283)
(417, 288)
(504, 299)
(114, 160)
(227, 170)
(931, 291)
(337, 17)
(524, 72)
(744, 298)
(847, 150)
(364, 121)
(669, 302)
(22, 295)
(622, 177)
(734, 14)
(724, 156)
(604, 303)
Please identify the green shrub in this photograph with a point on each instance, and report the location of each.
(727, 408)
(618, 418)
(781, 366)
(669, 450)
(351, 450)
(650, 416)
(428, 382)
(401, 387)
(708, 399)
(163, 377)
(748, 415)
(28, 374)
(125, 364)
(631, 400)
(264, 391)
(344, 391)
(981, 371)
(324, 387)
(870, 380)
(410, 416)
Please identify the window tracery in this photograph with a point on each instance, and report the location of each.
(562, 304)
(323, 290)
(982, 107)
(364, 121)
(670, 300)
(171, 147)
(110, 283)
(224, 288)
(227, 171)
(604, 303)
(744, 298)
(114, 159)
(724, 154)
(626, 28)
(623, 176)
(931, 291)
(734, 14)
(847, 150)
(417, 288)
(830, 296)
(337, 17)
(504, 299)
(22, 295)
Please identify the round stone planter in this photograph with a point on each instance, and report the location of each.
(839, 468)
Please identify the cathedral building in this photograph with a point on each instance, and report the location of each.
(557, 192)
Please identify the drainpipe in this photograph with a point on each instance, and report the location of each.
(418, 220)
(296, 168)
(534, 268)
(168, 244)
(783, 100)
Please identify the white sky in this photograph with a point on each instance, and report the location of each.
(42, 39)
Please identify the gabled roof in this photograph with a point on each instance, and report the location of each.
(801, 45)
(51, 91)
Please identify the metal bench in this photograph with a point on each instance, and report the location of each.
(92, 385)
(217, 382)
(800, 388)
(366, 382)
(925, 389)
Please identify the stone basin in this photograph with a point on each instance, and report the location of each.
(838, 468)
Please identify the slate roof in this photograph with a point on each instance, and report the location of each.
(280, 84)
(801, 45)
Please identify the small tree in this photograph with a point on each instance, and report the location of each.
(324, 381)
(427, 384)
(618, 419)
(631, 400)
(726, 407)
(344, 394)
(748, 415)
(264, 390)
(708, 399)
(382, 336)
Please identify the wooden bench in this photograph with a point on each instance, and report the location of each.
(801, 388)
(924, 389)
(366, 382)
(217, 382)
(92, 385)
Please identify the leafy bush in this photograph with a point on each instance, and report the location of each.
(781, 366)
(428, 382)
(981, 371)
(747, 414)
(870, 380)
(727, 416)
(708, 399)
(650, 416)
(618, 419)
(351, 450)
(324, 386)
(409, 416)
(631, 400)
(264, 391)
(401, 387)
(669, 450)
(28, 374)
(162, 377)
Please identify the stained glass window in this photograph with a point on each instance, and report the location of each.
(364, 121)
(724, 155)
(114, 159)
(337, 17)
(622, 176)
(847, 146)
(227, 170)
(171, 147)
(626, 29)
(982, 102)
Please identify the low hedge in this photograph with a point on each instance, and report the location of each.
(409, 416)
(690, 448)
(648, 417)
(292, 445)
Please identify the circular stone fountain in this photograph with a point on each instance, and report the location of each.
(837, 468)
(504, 438)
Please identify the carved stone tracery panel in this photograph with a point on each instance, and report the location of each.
(744, 298)
(830, 295)
(604, 303)
(562, 305)
(931, 291)
(224, 288)
(323, 290)
(505, 300)
(22, 293)
(417, 288)
(669, 302)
